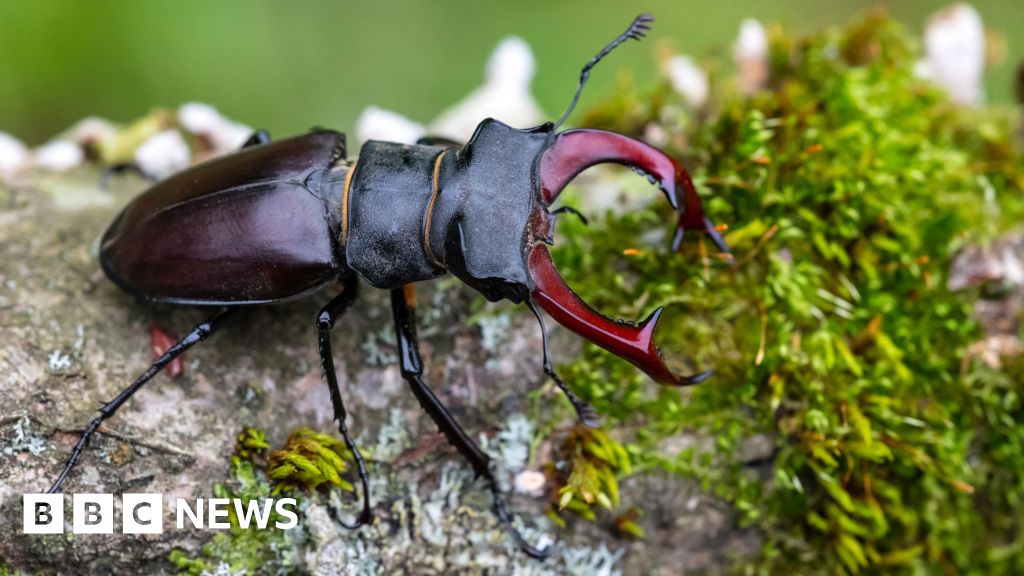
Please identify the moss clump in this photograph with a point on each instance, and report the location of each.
(309, 460)
(246, 550)
(250, 443)
(847, 185)
(589, 464)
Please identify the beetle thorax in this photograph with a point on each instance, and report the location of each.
(416, 212)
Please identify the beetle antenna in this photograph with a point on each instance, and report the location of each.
(637, 30)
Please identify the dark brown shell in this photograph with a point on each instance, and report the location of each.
(255, 226)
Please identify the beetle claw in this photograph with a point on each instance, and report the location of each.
(573, 151)
(354, 526)
(364, 518)
(715, 237)
(501, 511)
(634, 343)
(695, 379)
(709, 229)
(588, 416)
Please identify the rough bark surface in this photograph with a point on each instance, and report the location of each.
(69, 340)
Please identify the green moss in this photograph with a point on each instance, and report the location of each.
(593, 463)
(249, 550)
(847, 186)
(250, 443)
(5, 571)
(308, 460)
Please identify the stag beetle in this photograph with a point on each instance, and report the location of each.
(277, 221)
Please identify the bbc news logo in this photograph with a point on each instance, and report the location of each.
(143, 513)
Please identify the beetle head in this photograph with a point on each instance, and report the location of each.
(495, 238)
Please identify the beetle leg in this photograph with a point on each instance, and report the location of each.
(120, 169)
(324, 323)
(257, 138)
(403, 308)
(197, 334)
(584, 411)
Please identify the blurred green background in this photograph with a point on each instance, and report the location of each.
(287, 66)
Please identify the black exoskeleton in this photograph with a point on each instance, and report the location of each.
(417, 212)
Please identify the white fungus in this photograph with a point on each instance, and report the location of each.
(163, 154)
(505, 94)
(688, 79)
(750, 53)
(92, 129)
(529, 482)
(13, 153)
(203, 120)
(59, 155)
(378, 124)
(954, 42)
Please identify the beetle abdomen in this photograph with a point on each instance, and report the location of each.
(256, 226)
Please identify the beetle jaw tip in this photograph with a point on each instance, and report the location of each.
(708, 228)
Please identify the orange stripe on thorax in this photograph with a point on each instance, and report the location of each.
(430, 213)
(344, 203)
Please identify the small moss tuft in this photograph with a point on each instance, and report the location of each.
(593, 462)
(250, 443)
(308, 460)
